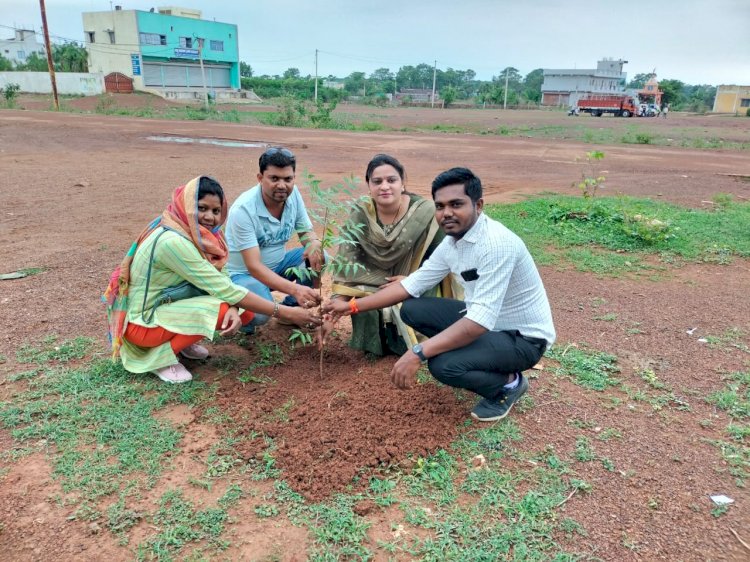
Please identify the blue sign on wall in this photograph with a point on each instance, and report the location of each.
(186, 53)
(135, 60)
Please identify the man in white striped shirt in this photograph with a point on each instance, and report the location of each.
(504, 324)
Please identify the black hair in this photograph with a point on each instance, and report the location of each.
(384, 160)
(459, 176)
(277, 156)
(209, 186)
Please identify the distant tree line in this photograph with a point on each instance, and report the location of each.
(67, 57)
(451, 84)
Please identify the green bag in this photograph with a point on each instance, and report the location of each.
(184, 290)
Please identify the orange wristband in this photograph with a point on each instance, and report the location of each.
(353, 306)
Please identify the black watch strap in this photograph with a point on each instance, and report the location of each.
(417, 349)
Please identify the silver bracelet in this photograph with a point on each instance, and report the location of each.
(275, 313)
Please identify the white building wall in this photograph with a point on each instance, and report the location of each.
(24, 42)
(106, 57)
(72, 83)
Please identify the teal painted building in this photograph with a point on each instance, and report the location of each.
(162, 50)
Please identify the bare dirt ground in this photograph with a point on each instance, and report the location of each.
(76, 189)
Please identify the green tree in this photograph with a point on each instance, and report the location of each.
(33, 63)
(291, 73)
(70, 57)
(639, 80)
(406, 77)
(423, 76)
(355, 83)
(449, 94)
(700, 97)
(672, 92)
(246, 71)
(5, 64)
(515, 80)
(380, 81)
(532, 85)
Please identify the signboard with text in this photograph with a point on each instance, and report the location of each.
(186, 53)
(135, 61)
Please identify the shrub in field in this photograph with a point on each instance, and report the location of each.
(643, 138)
(10, 92)
(648, 230)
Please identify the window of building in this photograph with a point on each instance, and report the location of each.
(217, 45)
(153, 39)
(745, 102)
(111, 35)
(186, 42)
(21, 55)
(91, 36)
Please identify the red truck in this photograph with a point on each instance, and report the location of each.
(619, 105)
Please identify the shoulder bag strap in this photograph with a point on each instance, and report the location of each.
(148, 282)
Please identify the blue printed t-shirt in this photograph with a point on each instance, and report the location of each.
(249, 224)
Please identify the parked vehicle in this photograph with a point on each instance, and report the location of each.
(619, 105)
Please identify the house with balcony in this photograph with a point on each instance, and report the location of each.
(169, 51)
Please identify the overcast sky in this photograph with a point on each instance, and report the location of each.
(696, 41)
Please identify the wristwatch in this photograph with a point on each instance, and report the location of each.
(417, 350)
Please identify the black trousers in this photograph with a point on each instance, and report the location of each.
(483, 366)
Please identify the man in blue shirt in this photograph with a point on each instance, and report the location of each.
(501, 328)
(260, 223)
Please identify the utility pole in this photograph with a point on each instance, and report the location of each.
(505, 93)
(434, 75)
(203, 70)
(50, 64)
(316, 75)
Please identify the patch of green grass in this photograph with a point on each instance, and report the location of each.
(100, 420)
(268, 356)
(609, 433)
(180, 523)
(589, 369)
(609, 317)
(50, 350)
(730, 338)
(584, 451)
(222, 458)
(266, 510)
(226, 364)
(611, 235)
(734, 399)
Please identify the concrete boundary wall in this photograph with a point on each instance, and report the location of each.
(73, 83)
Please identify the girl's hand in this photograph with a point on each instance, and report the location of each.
(231, 322)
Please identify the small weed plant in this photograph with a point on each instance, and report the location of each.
(591, 180)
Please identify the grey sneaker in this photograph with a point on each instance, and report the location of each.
(492, 410)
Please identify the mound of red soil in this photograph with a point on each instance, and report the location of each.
(327, 429)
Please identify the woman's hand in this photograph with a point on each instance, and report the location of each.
(231, 322)
(304, 318)
(392, 281)
(336, 308)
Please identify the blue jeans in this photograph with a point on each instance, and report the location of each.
(293, 258)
